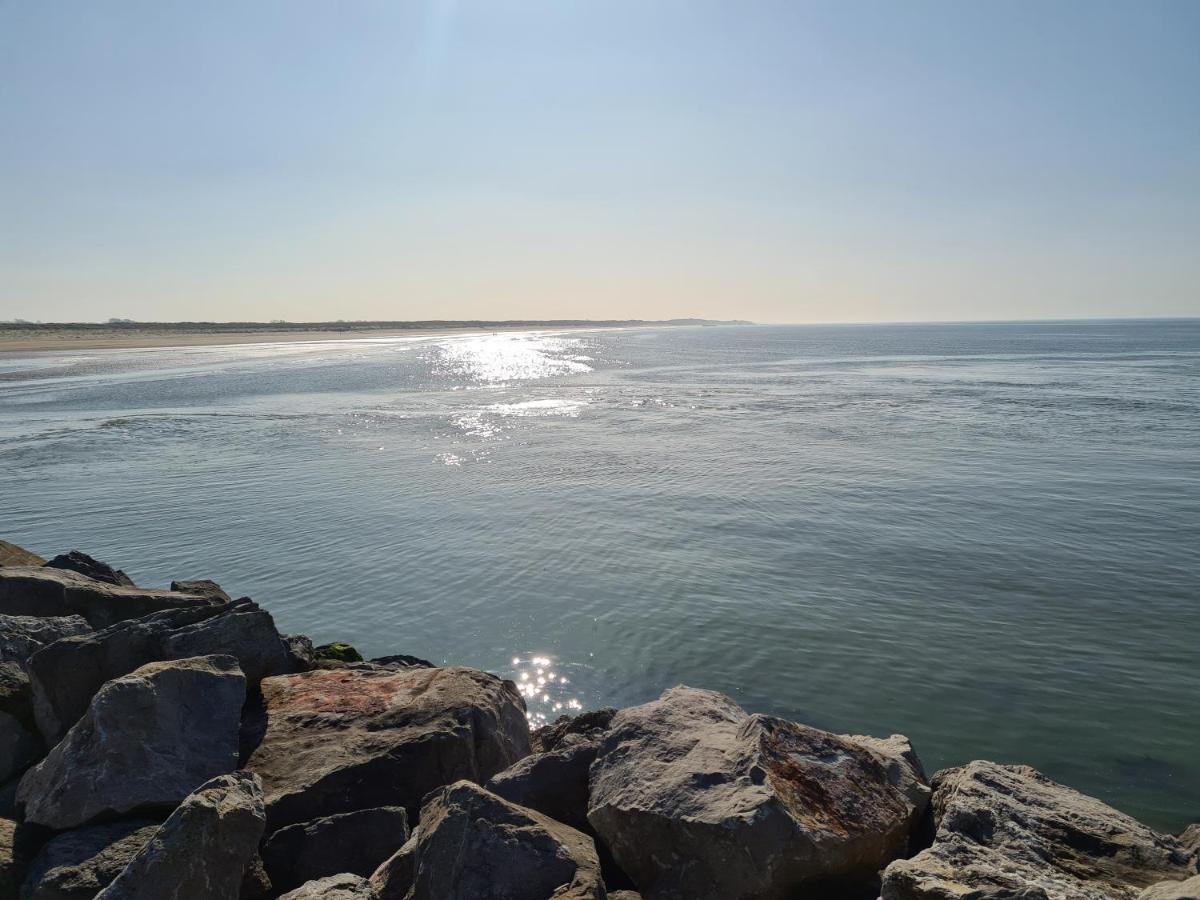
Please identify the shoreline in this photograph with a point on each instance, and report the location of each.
(151, 335)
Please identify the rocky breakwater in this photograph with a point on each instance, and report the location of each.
(172, 744)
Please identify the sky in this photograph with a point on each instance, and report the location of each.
(776, 161)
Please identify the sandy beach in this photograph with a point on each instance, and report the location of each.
(51, 337)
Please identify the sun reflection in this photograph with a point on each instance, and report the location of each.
(544, 690)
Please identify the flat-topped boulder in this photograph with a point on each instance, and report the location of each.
(696, 799)
(338, 740)
(41, 591)
(202, 851)
(472, 844)
(1008, 831)
(66, 675)
(147, 740)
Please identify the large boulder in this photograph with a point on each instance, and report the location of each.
(78, 864)
(340, 740)
(472, 844)
(354, 842)
(554, 783)
(696, 799)
(19, 748)
(147, 740)
(66, 675)
(12, 555)
(202, 850)
(41, 591)
(593, 723)
(23, 636)
(77, 561)
(345, 886)
(1008, 831)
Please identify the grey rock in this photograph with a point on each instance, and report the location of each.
(354, 842)
(147, 740)
(1173, 890)
(593, 723)
(394, 877)
(474, 844)
(22, 636)
(402, 661)
(19, 748)
(42, 591)
(256, 884)
(202, 850)
(201, 587)
(696, 800)
(78, 864)
(338, 740)
(624, 895)
(1008, 831)
(554, 783)
(15, 698)
(66, 675)
(12, 555)
(77, 561)
(299, 649)
(336, 887)
(1190, 838)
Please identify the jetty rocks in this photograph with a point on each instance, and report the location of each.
(173, 745)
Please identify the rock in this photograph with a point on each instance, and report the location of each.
(201, 587)
(67, 674)
(590, 724)
(696, 799)
(15, 698)
(202, 850)
(11, 869)
(1190, 838)
(146, 741)
(256, 884)
(1008, 831)
(335, 887)
(403, 661)
(19, 749)
(77, 561)
(554, 783)
(299, 649)
(354, 842)
(22, 636)
(42, 591)
(12, 555)
(338, 652)
(394, 877)
(624, 895)
(78, 864)
(1173, 890)
(473, 844)
(335, 741)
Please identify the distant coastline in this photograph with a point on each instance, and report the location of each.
(34, 337)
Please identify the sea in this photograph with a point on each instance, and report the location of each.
(984, 536)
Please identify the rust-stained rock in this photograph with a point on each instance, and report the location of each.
(339, 740)
(1008, 831)
(41, 591)
(696, 799)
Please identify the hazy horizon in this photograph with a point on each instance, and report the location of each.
(770, 161)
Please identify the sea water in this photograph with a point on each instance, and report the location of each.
(984, 536)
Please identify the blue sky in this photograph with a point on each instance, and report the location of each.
(776, 161)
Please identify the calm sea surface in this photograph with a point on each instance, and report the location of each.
(984, 536)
